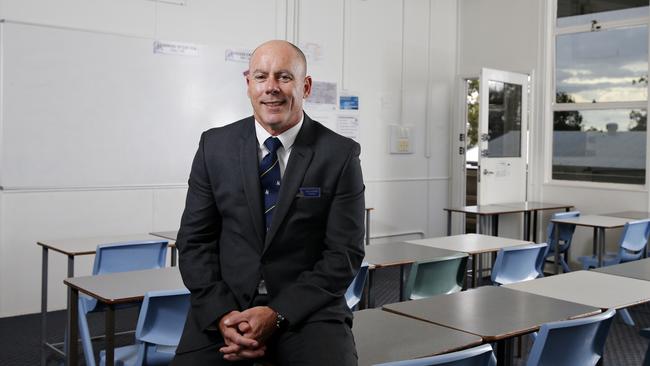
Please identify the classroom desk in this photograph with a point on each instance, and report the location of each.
(400, 254)
(635, 215)
(71, 248)
(601, 290)
(490, 212)
(472, 244)
(381, 336)
(639, 269)
(496, 314)
(598, 223)
(532, 208)
(112, 289)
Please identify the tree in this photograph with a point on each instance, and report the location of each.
(640, 119)
(472, 112)
(566, 120)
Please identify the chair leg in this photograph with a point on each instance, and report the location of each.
(626, 317)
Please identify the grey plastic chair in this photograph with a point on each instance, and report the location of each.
(436, 277)
(477, 356)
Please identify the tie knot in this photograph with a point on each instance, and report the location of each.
(272, 143)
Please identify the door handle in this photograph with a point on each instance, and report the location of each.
(487, 172)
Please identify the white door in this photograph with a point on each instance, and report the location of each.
(503, 126)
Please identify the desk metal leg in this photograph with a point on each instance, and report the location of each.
(71, 349)
(371, 282)
(174, 256)
(110, 335)
(367, 227)
(495, 225)
(556, 233)
(475, 259)
(535, 217)
(448, 223)
(44, 262)
(504, 352)
(601, 245)
(527, 225)
(401, 282)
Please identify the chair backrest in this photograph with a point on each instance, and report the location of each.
(566, 230)
(354, 291)
(477, 356)
(436, 277)
(520, 263)
(571, 342)
(130, 256)
(162, 317)
(634, 240)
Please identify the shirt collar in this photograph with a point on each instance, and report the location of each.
(287, 138)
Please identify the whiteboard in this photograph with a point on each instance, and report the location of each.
(88, 109)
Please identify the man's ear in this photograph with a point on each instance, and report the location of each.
(307, 88)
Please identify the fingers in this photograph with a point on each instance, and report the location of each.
(244, 354)
(232, 336)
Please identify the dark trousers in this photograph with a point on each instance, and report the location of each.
(317, 343)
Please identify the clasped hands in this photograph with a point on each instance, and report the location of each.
(245, 333)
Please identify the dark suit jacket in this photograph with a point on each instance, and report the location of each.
(312, 250)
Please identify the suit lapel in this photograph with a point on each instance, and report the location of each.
(299, 160)
(251, 179)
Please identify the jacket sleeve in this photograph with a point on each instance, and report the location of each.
(343, 249)
(198, 245)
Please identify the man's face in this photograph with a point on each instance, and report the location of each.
(277, 85)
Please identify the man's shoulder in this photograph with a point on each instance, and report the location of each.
(231, 130)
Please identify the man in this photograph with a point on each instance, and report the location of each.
(272, 233)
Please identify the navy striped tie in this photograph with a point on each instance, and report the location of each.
(270, 178)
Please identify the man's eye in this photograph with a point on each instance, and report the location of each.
(259, 77)
(285, 78)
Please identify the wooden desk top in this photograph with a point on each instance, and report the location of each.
(536, 206)
(87, 246)
(636, 215)
(591, 288)
(491, 312)
(381, 337)
(470, 243)
(485, 209)
(171, 235)
(607, 222)
(115, 288)
(636, 269)
(399, 253)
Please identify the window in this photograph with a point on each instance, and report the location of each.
(601, 91)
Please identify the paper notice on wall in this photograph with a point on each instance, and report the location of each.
(348, 126)
(323, 96)
(175, 48)
(348, 102)
(238, 55)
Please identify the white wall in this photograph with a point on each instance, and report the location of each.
(399, 56)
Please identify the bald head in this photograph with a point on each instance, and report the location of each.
(279, 45)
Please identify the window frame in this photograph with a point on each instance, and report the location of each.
(552, 106)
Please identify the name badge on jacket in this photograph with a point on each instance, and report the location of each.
(309, 192)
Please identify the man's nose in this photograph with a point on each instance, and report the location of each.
(272, 86)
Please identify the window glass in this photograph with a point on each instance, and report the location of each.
(600, 145)
(604, 66)
(504, 119)
(576, 12)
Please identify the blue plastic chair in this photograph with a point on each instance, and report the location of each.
(117, 257)
(571, 342)
(436, 277)
(566, 235)
(477, 356)
(632, 246)
(520, 263)
(355, 290)
(160, 325)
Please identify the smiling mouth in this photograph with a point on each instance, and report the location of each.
(274, 103)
